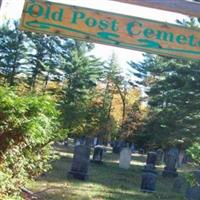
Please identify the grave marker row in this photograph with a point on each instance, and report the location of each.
(80, 165)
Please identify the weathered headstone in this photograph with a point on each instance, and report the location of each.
(95, 141)
(170, 161)
(125, 158)
(123, 144)
(160, 155)
(193, 192)
(149, 174)
(83, 141)
(87, 141)
(141, 150)
(148, 180)
(133, 148)
(151, 160)
(116, 147)
(80, 162)
(79, 141)
(98, 154)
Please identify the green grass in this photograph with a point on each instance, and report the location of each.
(106, 181)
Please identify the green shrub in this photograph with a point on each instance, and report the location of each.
(194, 152)
(28, 125)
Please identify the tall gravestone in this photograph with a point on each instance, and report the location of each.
(116, 147)
(193, 192)
(149, 174)
(133, 148)
(170, 162)
(77, 142)
(125, 158)
(160, 155)
(95, 141)
(151, 160)
(80, 162)
(98, 154)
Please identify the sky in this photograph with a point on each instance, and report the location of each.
(12, 9)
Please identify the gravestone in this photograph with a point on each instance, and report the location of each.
(148, 180)
(77, 143)
(160, 155)
(141, 151)
(193, 192)
(80, 162)
(170, 162)
(149, 174)
(98, 154)
(125, 158)
(151, 160)
(133, 148)
(116, 147)
(83, 141)
(95, 141)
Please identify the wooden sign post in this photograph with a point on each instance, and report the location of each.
(111, 29)
(187, 7)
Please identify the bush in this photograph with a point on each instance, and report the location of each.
(28, 125)
(194, 152)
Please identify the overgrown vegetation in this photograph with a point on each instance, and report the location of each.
(28, 125)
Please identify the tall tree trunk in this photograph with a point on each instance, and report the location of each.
(46, 82)
(123, 98)
(11, 78)
(34, 76)
(109, 105)
(12, 75)
(33, 82)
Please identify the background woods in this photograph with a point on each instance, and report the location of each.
(52, 89)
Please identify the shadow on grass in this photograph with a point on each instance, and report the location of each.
(72, 195)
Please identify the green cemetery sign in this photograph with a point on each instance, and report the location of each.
(111, 29)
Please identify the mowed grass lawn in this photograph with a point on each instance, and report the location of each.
(106, 181)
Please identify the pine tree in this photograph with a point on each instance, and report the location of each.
(173, 92)
(13, 52)
(173, 97)
(82, 73)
